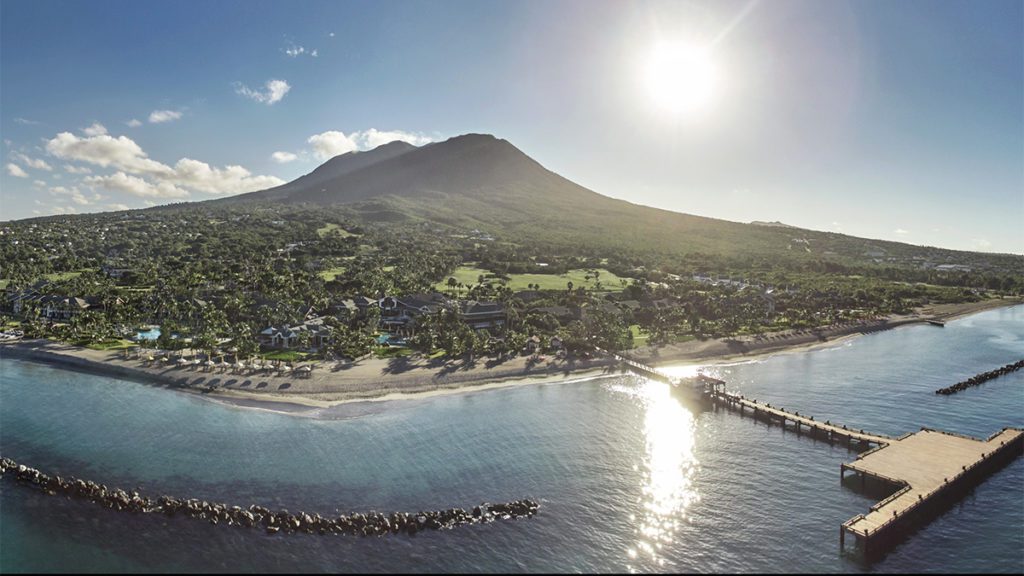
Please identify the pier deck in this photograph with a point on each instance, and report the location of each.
(925, 464)
(813, 426)
(928, 467)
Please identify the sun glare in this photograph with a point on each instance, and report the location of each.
(681, 78)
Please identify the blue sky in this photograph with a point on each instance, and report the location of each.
(895, 120)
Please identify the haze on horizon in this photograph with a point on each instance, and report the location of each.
(894, 120)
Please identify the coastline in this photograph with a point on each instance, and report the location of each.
(380, 380)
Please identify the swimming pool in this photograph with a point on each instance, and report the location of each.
(151, 334)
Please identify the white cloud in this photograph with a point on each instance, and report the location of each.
(331, 143)
(121, 182)
(117, 207)
(106, 151)
(981, 243)
(25, 121)
(39, 183)
(314, 53)
(372, 138)
(95, 130)
(901, 232)
(139, 175)
(37, 163)
(275, 91)
(134, 123)
(76, 196)
(228, 180)
(283, 157)
(15, 170)
(162, 116)
(294, 50)
(71, 169)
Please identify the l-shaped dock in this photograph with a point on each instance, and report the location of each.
(927, 468)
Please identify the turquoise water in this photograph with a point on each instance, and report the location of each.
(151, 334)
(629, 479)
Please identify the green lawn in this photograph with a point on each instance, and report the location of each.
(468, 275)
(332, 273)
(332, 228)
(285, 355)
(639, 336)
(53, 277)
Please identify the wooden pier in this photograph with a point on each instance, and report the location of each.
(802, 424)
(928, 469)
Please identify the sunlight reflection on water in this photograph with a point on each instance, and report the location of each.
(667, 469)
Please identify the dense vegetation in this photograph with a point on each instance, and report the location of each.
(218, 275)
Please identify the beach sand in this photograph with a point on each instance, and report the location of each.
(416, 377)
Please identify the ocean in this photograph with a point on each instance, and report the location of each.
(628, 477)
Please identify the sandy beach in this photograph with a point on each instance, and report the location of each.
(330, 384)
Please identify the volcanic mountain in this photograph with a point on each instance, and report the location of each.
(479, 181)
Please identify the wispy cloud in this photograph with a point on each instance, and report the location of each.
(117, 207)
(333, 142)
(35, 163)
(283, 157)
(121, 182)
(15, 170)
(25, 121)
(74, 194)
(901, 232)
(274, 92)
(139, 175)
(295, 51)
(981, 243)
(95, 130)
(134, 123)
(71, 169)
(163, 116)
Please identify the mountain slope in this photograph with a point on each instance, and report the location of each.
(479, 181)
(329, 171)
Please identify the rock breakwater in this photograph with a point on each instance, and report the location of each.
(981, 378)
(355, 524)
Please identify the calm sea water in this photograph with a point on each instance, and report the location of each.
(629, 479)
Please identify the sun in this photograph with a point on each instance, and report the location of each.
(681, 79)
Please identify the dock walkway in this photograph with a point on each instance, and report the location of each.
(813, 427)
(927, 467)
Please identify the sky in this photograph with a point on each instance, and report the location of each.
(898, 120)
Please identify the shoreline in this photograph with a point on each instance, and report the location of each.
(380, 380)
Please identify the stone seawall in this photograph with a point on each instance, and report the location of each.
(355, 524)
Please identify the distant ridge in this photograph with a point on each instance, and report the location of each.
(775, 224)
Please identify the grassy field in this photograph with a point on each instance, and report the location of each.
(639, 336)
(468, 275)
(332, 228)
(332, 273)
(53, 277)
(285, 355)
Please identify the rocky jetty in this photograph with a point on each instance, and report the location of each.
(355, 524)
(981, 378)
